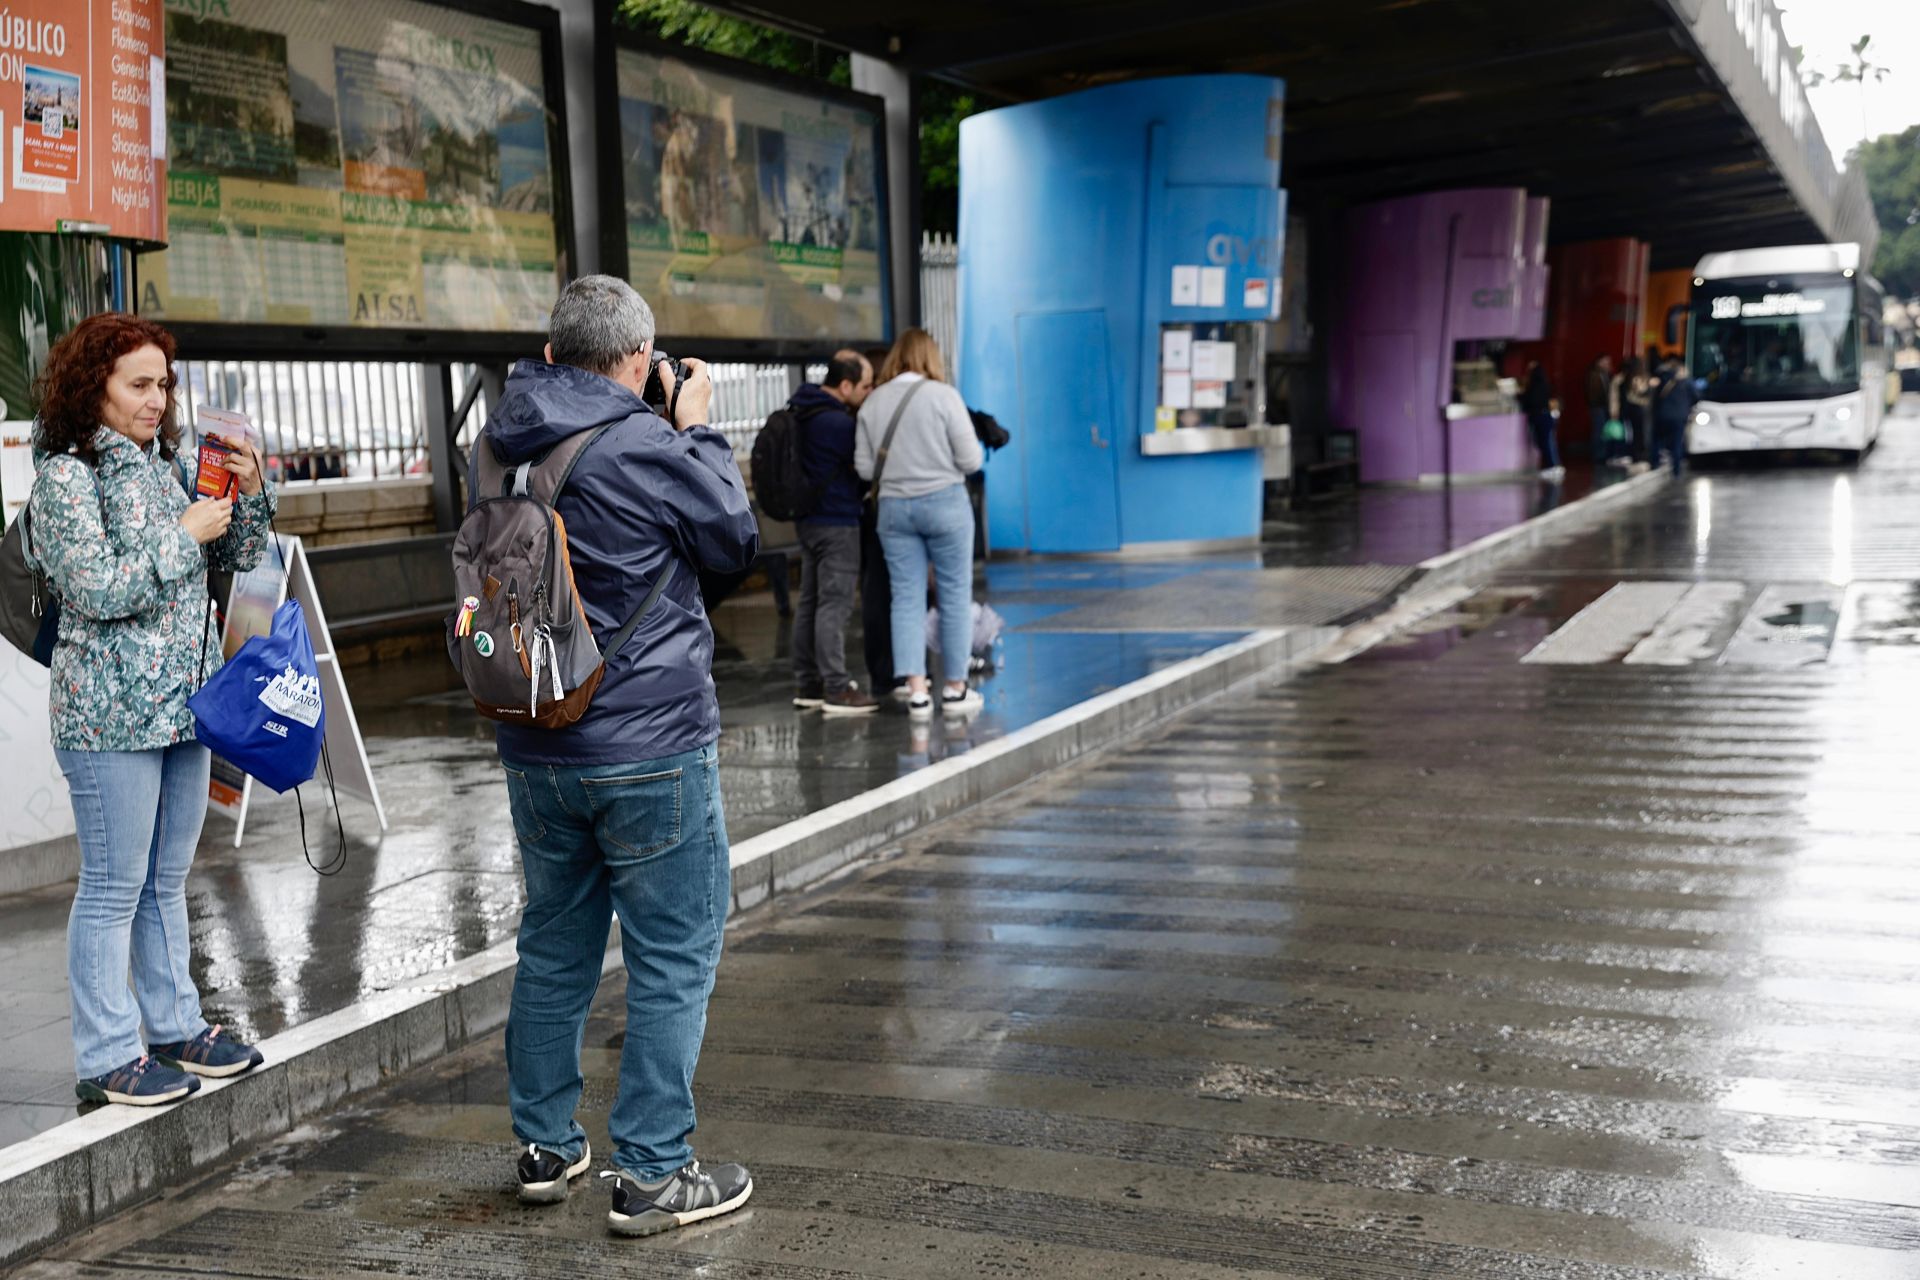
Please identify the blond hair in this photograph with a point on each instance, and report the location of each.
(914, 351)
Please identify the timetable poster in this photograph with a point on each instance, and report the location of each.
(751, 211)
(367, 166)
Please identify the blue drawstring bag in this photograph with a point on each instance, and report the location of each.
(263, 710)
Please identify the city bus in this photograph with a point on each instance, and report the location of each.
(1789, 347)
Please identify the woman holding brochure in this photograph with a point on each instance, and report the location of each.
(125, 551)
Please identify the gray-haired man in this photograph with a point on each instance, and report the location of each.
(619, 814)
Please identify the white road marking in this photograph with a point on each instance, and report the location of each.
(1610, 626)
(1695, 629)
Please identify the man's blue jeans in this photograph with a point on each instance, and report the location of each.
(936, 527)
(137, 815)
(646, 842)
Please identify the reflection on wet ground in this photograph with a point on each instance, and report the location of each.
(274, 946)
(1454, 965)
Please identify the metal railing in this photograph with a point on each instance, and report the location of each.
(320, 420)
(940, 297)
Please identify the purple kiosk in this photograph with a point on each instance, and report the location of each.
(1435, 284)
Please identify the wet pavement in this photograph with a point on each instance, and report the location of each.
(275, 946)
(1484, 954)
(1475, 956)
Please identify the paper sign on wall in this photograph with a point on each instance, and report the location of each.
(1209, 395)
(1254, 295)
(1176, 391)
(1186, 286)
(1213, 286)
(1163, 419)
(1176, 350)
(1213, 361)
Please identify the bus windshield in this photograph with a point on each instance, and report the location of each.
(1779, 339)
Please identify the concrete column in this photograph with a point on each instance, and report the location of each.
(894, 83)
(579, 57)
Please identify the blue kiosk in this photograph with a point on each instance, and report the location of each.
(1120, 257)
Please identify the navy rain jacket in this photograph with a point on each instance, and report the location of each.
(826, 454)
(642, 495)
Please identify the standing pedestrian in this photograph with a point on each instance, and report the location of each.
(1600, 408)
(876, 589)
(829, 537)
(125, 552)
(1636, 400)
(1673, 402)
(1543, 419)
(917, 445)
(619, 814)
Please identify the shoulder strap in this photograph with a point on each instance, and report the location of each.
(540, 478)
(620, 636)
(886, 441)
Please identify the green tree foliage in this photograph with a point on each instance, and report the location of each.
(1891, 164)
(698, 27)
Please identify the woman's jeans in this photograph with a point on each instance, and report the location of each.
(1545, 441)
(647, 843)
(138, 817)
(935, 527)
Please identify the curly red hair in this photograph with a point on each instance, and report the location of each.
(73, 386)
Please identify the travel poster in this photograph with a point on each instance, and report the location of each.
(752, 212)
(80, 83)
(373, 166)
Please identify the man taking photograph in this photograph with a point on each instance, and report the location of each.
(618, 815)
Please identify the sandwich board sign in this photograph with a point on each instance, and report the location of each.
(250, 605)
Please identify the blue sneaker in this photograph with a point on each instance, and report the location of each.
(144, 1082)
(209, 1054)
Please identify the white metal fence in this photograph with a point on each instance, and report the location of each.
(366, 419)
(940, 297)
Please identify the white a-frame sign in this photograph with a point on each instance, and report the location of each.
(250, 605)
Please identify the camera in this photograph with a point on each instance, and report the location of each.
(655, 392)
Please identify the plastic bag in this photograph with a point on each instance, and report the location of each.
(263, 710)
(987, 626)
(1614, 432)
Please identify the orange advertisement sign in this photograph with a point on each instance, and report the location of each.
(82, 107)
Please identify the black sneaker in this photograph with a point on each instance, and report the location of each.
(808, 697)
(690, 1194)
(544, 1174)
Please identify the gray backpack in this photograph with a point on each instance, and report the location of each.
(519, 634)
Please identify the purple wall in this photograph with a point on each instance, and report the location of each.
(1391, 349)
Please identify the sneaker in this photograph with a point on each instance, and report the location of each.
(209, 1054)
(544, 1174)
(900, 692)
(144, 1082)
(690, 1194)
(963, 703)
(808, 697)
(919, 706)
(848, 702)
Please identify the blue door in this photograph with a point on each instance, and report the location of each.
(1066, 419)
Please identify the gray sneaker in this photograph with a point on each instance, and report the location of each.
(689, 1194)
(544, 1174)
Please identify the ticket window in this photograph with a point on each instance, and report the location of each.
(1212, 375)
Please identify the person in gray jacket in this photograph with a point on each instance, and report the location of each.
(917, 445)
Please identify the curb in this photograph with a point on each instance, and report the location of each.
(72, 1177)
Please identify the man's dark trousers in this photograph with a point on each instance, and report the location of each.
(829, 574)
(876, 606)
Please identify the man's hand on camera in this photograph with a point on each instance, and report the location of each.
(695, 399)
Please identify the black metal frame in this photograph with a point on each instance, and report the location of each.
(224, 341)
(610, 38)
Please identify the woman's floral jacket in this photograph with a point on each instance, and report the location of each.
(132, 584)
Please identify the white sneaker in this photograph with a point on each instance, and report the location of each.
(920, 706)
(964, 703)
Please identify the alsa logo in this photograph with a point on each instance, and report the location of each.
(294, 696)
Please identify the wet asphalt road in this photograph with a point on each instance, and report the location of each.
(1442, 962)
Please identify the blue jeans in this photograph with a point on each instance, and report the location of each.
(1545, 440)
(1670, 438)
(137, 815)
(935, 527)
(646, 842)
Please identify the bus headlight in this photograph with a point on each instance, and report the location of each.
(1843, 414)
(1703, 419)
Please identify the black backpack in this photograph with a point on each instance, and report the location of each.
(29, 611)
(780, 482)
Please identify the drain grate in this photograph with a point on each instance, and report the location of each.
(1227, 599)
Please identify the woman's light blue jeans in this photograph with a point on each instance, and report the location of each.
(137, 815)
(936, 527)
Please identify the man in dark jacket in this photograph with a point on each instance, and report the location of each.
(1674, 397)
(829, 537)
(619, 814)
